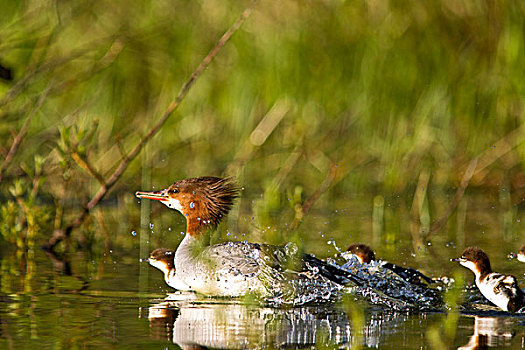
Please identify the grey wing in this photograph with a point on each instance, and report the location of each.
(281, 257)
(236, 258)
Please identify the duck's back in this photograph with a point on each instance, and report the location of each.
(502, 290)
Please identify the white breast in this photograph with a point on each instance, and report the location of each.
(220, 270)
(173, 280)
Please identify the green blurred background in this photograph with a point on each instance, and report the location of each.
(375, 102)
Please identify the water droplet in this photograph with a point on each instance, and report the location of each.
(331, 241)
(133, 233)
(151, 225)
(192, 205)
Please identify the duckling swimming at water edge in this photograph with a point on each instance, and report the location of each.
(502, 290)
(163, 259)
(521, 254)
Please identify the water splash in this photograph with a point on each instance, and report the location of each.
(383, 287)
(278, 275)
(331, 241)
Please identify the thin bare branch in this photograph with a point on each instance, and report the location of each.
(476, 167)
(258, 136)
(121, 149)
(417, 206)
(90, 169)
(438, 225)
(325, 185)
(21, 134)
(114, 177)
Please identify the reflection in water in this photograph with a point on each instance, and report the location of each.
(62, 264)
(161, 322)
(35, 310)
(235, 325)
(491, 332)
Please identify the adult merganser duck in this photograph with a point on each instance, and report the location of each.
(236, 268)
(365, 255)
(502, 290)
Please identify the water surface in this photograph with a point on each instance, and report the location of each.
(110, 300)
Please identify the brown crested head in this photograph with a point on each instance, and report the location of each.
(363, 252)
(162, 258)
(204, 201)
(477, 257)
(474, 254)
